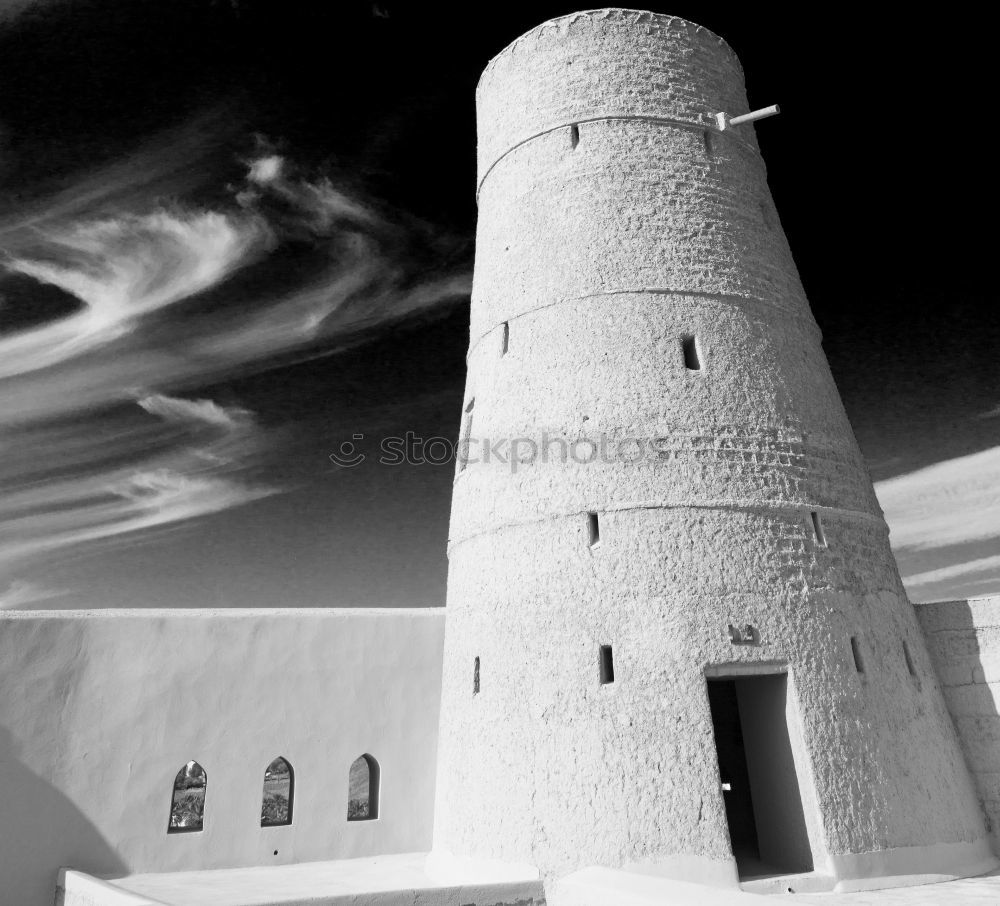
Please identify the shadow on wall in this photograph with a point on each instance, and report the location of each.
(41, 830)
(963, 638)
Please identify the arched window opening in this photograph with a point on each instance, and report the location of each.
(187, 805)
(362, 792)
(279, 788)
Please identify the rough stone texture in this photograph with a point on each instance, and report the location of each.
(101, 709)
(598, 249)
(964, 642)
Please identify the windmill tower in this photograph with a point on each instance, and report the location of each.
(676, 636)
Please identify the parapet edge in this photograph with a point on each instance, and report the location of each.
(234, 612)
(606, 13)
(989, 597)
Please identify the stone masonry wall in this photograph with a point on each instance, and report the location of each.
(964, 641)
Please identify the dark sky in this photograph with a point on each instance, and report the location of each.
(235, 234)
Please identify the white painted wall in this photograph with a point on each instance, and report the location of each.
(99, 710)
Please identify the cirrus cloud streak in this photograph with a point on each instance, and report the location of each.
(941, 518)
(105, 430)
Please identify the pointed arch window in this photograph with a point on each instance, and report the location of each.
(279, 791)
(187, 804)
(362, 792)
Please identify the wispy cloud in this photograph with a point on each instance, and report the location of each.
(132, 271)
(123, 270)
(103, 433)
(206, 412)
(24, 594)
(956, 571)
(946, 511)
(951, 502)
(183, 464)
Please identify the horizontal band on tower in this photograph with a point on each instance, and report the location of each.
(803, 315)
(728, 134)
(717, 505)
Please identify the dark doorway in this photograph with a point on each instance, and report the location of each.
(733, 770)
(760, 788)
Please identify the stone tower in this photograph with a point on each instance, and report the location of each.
(671, 590)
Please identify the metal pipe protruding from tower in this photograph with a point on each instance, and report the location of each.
(725, 121)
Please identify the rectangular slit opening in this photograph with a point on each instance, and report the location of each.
(574, 136)
(765, 213)
(463, 447)
(818, 529)
(593, 530)
(859, 663)
(505, 338)
(475, 677)
(692, 360)
(607, 665)
(909, 660)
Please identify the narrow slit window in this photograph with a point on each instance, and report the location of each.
(463, 447)
(859, 663)
(818, 529)
(362, 791)
(505, 338)
(574, 136)
(607, 665)
(909, 660)
(692, 360)
(765, 213)
(187, 805)
(475, 676)
(593, 529)
(709, 149)
(279, 788)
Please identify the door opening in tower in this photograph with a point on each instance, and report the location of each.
(760, 788)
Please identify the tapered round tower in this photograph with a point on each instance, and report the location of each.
(676, 636)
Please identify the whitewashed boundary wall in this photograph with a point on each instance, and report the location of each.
(100, 709)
